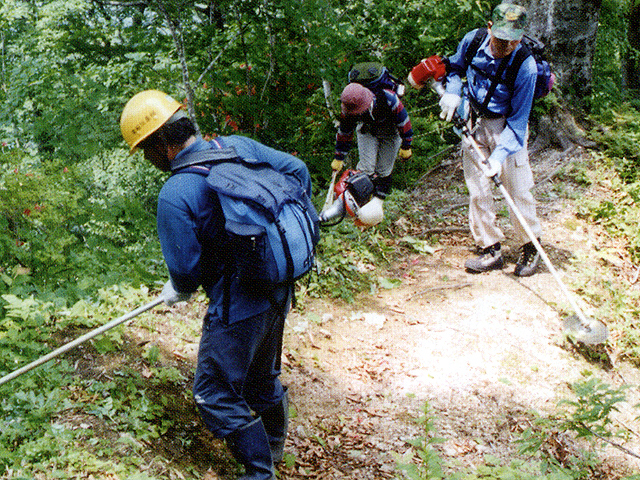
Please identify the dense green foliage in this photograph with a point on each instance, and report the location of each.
(253, 68)
(77, 229)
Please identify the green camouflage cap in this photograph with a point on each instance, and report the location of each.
(509, 21)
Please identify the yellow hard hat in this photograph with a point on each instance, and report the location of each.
(145, 113)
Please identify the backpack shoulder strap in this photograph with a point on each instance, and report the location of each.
(209, 155)
(494, 83)
(381, 108)
(473, 47)
(512, 71)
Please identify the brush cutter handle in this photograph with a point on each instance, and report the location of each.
(68, 346)
(436, 86)
(483, 164)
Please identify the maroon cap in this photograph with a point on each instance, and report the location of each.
(355, 99)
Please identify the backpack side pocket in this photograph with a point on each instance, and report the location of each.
(256, 267)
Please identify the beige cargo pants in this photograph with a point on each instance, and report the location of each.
(516, 177)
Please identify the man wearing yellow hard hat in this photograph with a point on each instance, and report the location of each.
(236, 386)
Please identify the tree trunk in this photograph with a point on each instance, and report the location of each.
(178, 41)
(569, 29)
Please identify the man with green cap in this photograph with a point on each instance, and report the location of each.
(498, 114)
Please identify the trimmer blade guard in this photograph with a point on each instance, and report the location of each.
(590, 333)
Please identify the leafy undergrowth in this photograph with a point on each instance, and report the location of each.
(116, 411)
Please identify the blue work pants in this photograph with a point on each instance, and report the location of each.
(238, 369)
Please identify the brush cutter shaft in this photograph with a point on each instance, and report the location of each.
(483, 166)
(68, 346)
(542, 253)
(330, 194)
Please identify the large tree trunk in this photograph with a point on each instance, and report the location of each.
(569, 29)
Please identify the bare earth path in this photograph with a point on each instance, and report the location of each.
(481, 350)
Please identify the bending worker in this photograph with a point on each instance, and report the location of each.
(236, 386)
(383, 130)
(499, 120)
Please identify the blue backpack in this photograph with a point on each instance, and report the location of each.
(270, 221)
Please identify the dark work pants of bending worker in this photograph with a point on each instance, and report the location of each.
(238, 370)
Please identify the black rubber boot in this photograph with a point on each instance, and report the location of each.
(249, 445)
(276, 423)
(382, 186)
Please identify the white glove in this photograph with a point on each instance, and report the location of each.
(170, 296)
(449, 102)
(493, 167)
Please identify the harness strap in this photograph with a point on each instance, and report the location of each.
(510, 70)
(494, 83)
(205, 156)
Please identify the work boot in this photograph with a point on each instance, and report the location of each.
(276, 423)
(249, 445)
(528, 261)
(490, 258)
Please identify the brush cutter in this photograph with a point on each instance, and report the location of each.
(354, 192)
(588, 331)
(583, 330)
(68, 346)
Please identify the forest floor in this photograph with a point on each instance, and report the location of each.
(482, 351)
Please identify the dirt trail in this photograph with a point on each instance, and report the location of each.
(481, 350)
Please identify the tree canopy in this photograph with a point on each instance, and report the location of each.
(254, 67)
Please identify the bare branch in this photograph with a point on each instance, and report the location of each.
(326, 88)
(176, 33)
(215, 60)
(613, 444)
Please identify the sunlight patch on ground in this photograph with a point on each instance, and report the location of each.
(496, 338)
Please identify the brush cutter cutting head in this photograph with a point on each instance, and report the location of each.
(588, 332)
